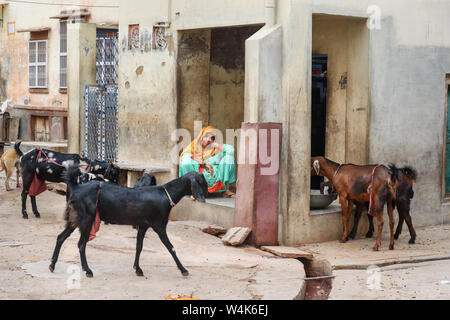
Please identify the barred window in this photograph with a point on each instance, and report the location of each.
(63, 54)
(37, 64)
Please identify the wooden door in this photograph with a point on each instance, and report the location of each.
(42, 129)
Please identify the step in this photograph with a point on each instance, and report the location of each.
(51, 145)
(215, 211)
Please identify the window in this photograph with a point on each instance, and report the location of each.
(37, 64)
(11, 28)
(63, 55)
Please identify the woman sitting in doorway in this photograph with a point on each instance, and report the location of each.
(215, 161)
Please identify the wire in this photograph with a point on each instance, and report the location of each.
(61, 4)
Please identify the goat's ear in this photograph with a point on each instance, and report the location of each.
(199, 187)
(316, 166)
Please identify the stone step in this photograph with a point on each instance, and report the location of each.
(215, 211)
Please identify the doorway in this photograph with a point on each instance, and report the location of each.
(340, 64)
(318, 110)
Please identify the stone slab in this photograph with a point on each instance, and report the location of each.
(214, 229)
(236, 236)
(287, 252)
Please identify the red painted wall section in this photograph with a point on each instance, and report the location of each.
(258, 182)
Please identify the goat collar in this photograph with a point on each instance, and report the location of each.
(336, 172)
(172, 204)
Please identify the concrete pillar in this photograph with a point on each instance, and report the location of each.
(257, 205)
(81, 51)
(263, 75)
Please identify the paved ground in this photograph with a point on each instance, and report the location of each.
(418, 271)
(411, 271)
(216, 271)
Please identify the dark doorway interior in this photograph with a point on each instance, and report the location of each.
(318, 111)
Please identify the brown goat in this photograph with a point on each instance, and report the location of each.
(375, 184)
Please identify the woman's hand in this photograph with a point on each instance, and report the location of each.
(209, 168)
(217, 146)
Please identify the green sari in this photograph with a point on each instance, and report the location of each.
(223, 168)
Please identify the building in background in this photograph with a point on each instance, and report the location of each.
(34, 65)
(362, 82)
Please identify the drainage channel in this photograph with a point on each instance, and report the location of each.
(318, 280)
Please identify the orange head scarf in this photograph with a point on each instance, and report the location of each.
(196, 149)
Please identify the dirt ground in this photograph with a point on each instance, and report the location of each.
(216, 271)
(411, 271)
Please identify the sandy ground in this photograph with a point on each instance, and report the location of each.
(216, 271)
(411, 271)
(424, 281)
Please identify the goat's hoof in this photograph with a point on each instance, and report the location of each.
(51, 268)
(343, 240)
(412, 241)
(396, 236)
(375, 248)
(37, 215)
(25, 215)
(185, 273)
(89, 274)
(139, 273)
(369, 235)
(391, 247)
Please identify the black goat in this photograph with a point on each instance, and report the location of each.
(39, 165)
(145, 180)
(404, 193)
(144, 206)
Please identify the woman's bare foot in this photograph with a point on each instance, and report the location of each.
(229, 194)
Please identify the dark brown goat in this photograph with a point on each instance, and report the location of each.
(407, 176)
(370, 183)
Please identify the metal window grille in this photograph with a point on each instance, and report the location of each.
(63, 54)
(101, 122)
(107, 56)
(37, 64)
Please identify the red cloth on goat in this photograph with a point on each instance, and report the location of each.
(95, 226)
(37, 187)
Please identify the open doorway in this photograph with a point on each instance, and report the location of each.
(210, 80)
(318, 110)
(340, 89)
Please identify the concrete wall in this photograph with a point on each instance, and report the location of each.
(406, 84)
(81, 59)
(226, 103)
(263, 77)
(193, 77)
(147, 108)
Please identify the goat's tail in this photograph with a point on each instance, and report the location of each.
(393, 182)
(71, 175)
(17, 148)
(394, 173)
(71, 215)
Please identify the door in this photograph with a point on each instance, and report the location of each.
(447, 147)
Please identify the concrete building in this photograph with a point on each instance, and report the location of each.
(386, 70)
(358, 81)
(34, 62)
